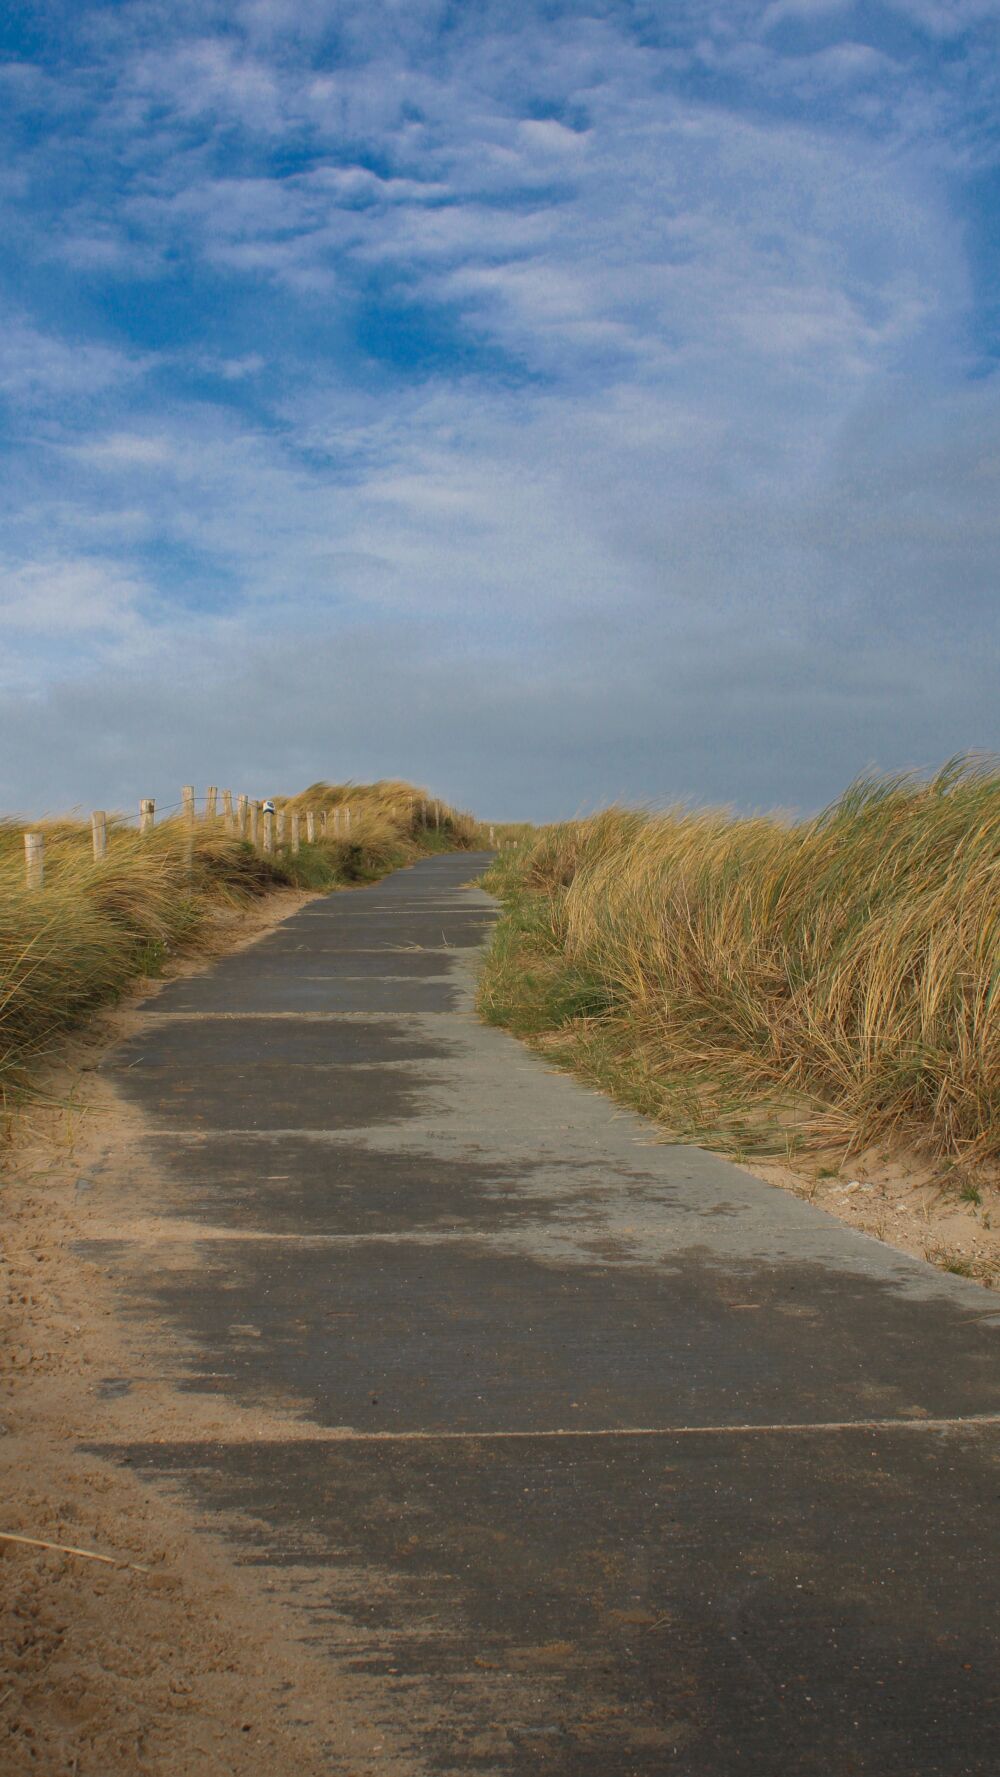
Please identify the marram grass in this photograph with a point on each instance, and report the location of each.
(757, 981)
(95, 927)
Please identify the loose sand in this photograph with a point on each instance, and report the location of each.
(923, 1208)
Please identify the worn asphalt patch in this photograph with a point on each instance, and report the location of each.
(622, 1462)
(304, 1186)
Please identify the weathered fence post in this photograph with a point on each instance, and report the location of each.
(326, 823)
(241, 816)
(295, 832)
(211, 797)
(227, 809)
(147, 814)
(34, 860)
(492, 836)
(254, 824)
(268, 830)
(279, 823)
(311, 825)
(99, 830)
(187, 808)
(347, 818)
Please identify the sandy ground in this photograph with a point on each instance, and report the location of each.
(932, 1211)
(172, 1660)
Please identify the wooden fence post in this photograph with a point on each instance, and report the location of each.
(211, 797)
(99, 830)
(34, 860)
(437, 814)
(311, 825)
(227, 809)
(279, 822)
(254, 824)
(326, 823)
(147, 814)
(347, 818)
(187, 809)
(268, 831)
(336, 823)
(241, 816)
(295, 832)
(492, 836)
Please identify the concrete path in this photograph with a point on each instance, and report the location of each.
(609, 1458)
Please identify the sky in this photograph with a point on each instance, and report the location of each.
(545, 402)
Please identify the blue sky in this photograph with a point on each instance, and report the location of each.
(548, 402)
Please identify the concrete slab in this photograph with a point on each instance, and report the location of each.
(294, 991)
(422, 1331)
(187, 1044)
(701, 1606)
(273, 1095)
(326, 959)
(437, 930)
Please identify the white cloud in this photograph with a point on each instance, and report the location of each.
(947, 18)
(61, 599)
(807, 10)
(35, 365)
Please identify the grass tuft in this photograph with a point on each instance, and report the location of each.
(754, 981)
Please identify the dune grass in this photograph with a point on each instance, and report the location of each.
(95, 927)
(384, 816)
(760, 983)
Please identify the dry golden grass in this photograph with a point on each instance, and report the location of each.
(94, 927)
(836, 977)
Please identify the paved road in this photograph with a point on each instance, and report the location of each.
(610, 1459)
